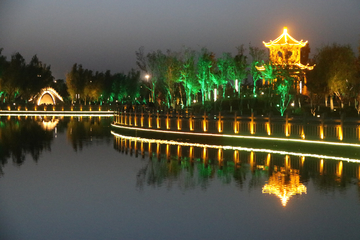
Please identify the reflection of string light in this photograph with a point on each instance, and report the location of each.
(239, 136)
(200, 145)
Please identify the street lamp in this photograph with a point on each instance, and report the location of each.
(147, 76)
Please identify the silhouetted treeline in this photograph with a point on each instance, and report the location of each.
(20, 81)
(86, 86)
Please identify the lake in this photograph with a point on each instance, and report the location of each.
(73, 178)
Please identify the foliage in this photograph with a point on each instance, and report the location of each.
(85, 86)
(20, 81)
(257, 56)
(335, 71)
(284, 86)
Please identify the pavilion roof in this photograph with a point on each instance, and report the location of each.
(285, 39)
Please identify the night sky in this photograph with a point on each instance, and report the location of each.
(103, 35)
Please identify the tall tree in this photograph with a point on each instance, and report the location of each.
(204, 72)
(335, 71)
(188, 74)
(238, 69)
(257, 57)
(284, 89)
(38, 76)
(13, 77)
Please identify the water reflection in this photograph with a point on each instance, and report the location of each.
(284, 183)
(20, 136)
(190, 165)
(84, 131)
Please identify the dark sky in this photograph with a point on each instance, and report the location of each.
(103, 35)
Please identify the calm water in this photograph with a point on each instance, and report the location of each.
(76, 180)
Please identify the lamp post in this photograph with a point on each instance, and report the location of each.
(147, 76)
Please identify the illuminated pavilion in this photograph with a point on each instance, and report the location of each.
(285, 51)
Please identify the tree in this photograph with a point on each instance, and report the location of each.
(238, 68)
(283, 88)
(335, 71)
(75, 82)
(204, 72)
(257, 56)
(172, 74)
(221, 76)
(13, 77)
(188, 75)
(38, 76)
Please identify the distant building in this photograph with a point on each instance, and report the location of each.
(285, 52)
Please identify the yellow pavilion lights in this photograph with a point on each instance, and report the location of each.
(285, 50)
(285, 39)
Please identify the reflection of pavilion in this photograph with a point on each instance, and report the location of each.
(284, 184)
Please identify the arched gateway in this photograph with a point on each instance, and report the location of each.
(47, 96)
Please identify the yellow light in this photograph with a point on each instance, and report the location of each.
(302, 133)
(167, 151)
(191, 123)
(167, 121)
(220, 155)
(204, 154)
(158, 121)
(268, 159)
(252, 160)
(252, 124)
(149, 121)
(302, 160)
(236, 157)
(220, 124)
(179, 151)
(321, 132)
(179, 124)
(339, 169)
(340, 132)
(191, 152)
(236, 126)
(321, 166)
(268, 128)
(205, 123)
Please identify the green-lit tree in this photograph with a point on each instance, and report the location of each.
(221, 76)
(188, 75)
(257, 57)
(284, 89)
(204, 72)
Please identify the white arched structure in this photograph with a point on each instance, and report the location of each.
(48, 96)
